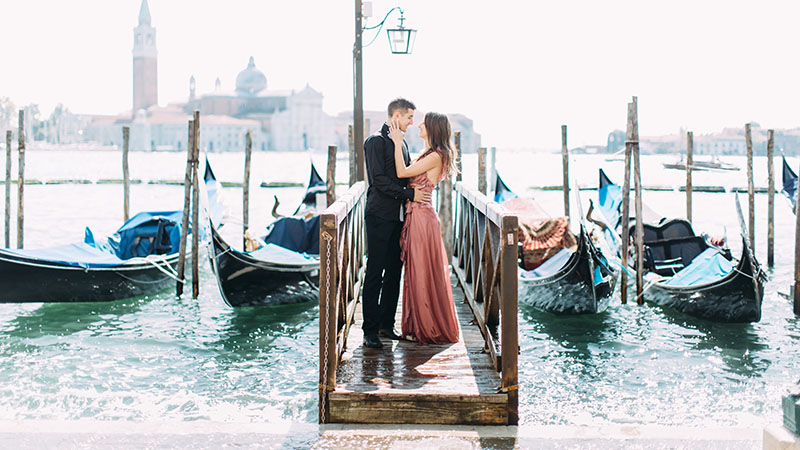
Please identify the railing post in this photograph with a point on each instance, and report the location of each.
(328, 286)
(509, 331)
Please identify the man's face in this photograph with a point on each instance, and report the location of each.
(404, 119)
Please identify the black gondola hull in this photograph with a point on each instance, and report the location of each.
(572, 290)
(245, 281)
(32, 281)
(734, 298)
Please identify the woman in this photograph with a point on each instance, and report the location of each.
(429, 315)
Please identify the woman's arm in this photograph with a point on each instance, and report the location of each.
(422, 166)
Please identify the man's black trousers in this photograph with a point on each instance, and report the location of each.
(383, 274)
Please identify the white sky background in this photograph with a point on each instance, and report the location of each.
(519, 69)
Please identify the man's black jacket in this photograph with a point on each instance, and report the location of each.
(386, 191)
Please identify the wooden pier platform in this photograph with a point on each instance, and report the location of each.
(419, 384)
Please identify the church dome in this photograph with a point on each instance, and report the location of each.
(251, 80)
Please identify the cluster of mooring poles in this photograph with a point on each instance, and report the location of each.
(191, 200)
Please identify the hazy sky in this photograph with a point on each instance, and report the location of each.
(519, 69)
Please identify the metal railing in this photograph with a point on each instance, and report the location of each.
(485, 262)
(342, 250)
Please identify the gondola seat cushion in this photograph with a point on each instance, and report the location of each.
(295, 233)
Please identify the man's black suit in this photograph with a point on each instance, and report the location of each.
(386, 196)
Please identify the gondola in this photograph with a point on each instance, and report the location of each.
(139, 259)
(687, 273)
(789, 187)
(285, 270)
(569, 282)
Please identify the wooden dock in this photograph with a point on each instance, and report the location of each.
(422, 384)
(473, 381)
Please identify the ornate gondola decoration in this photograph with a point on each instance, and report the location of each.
(579, 281)
(139, 259)
(690, 274)
(284, 270)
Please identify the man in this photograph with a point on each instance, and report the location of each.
(384, 217)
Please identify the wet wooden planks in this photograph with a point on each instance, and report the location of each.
(409, 383)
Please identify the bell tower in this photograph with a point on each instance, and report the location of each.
(145, 73)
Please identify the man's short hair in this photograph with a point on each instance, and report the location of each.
(400, 104)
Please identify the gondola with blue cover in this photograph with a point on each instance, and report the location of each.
(569, 282)
(686, 272)
(139, 259)
(285, 270)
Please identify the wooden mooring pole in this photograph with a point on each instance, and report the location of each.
(492, 168)
(126, 180)
(330, 182)
(689, 150)
(196, 205)
(457, 138)
(565, 169)
(8, 190)
(796, 295)
(21, 180)
(482, 170)
(626, 200)
(751, 223)
(187, 198)
(637, 182)
(770, 200)
(352, 155)
(248, 153)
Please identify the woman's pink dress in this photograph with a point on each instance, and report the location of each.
(428, 311)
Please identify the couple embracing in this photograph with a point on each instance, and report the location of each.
(403, 230)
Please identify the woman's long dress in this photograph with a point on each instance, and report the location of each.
(428, 311)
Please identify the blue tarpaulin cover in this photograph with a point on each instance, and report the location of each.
(705, 268)
(117, 248)
(295, 233)
(276, 254)
(549, 267)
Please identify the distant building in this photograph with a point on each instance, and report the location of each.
(285, 120)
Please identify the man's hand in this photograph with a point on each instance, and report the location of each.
(422, 196)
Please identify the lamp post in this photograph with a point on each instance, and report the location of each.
(401, 41)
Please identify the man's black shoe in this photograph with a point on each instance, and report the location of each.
(372, 341)
(389, 333)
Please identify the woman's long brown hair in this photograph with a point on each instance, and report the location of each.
(438, 129)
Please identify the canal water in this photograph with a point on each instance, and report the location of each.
(162, 358)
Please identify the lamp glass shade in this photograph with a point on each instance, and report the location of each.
(401, 40)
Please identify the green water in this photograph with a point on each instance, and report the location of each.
(174, 359)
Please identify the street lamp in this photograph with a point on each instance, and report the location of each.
(401, 41)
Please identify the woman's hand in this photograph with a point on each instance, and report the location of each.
(395, 133)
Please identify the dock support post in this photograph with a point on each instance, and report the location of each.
(187, 195)
(689, 162)
(637, 182)
(457, 139)
(509, 340)
(565, 169)
(330, 182)
(328, 313)
(248, 153)
(751, 223)
(8, 190)
(352, 155)
(126, 181)
(625, 219)
(482, 170)
(770, 200)
(21, 181)
(196, 206)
